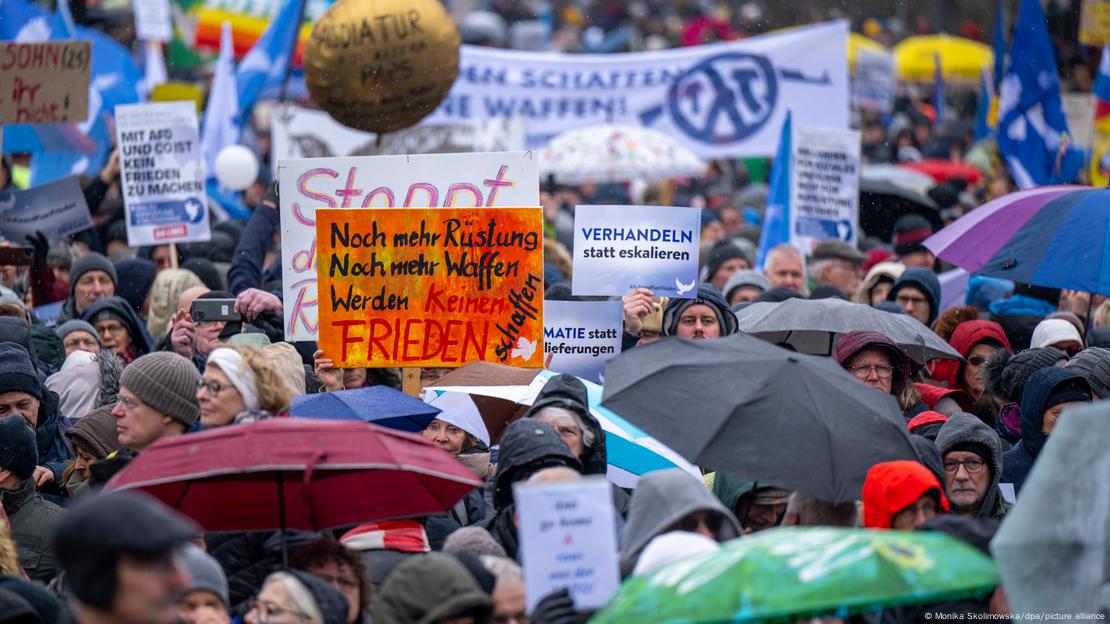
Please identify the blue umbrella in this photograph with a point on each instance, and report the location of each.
(380, 405)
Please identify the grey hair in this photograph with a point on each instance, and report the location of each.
(588, 435)
(503, 569)
(300, 595)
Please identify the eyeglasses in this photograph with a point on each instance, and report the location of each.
(214, 387)
(115, 329)
(914, 301)
(973, 466)
(977, 361)
(267, 610)
(863, 372)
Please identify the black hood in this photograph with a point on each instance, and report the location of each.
(119, 308)
(707, 295)
(568, 392)
(526, 446)
(1034, 400)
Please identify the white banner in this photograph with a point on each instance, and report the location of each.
(720, 100)
(579, 337)
(308, 133)
(824, 186)
(152, 20)
(873, 84)
(504, 179)
(161, 173)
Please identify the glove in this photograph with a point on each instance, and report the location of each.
(42, 248)
(556, 608)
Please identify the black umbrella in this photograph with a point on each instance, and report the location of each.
(887, 192)
(745, 406)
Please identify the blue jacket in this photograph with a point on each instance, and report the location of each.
(1018, 461)
(246, 264)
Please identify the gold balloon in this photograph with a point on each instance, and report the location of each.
(381, 65)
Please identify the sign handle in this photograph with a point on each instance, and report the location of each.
(173, 255)
(410, 381)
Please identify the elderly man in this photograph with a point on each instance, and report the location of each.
(972, 456)
(785, 267)
(91, 277)
(837, 264)
(157, 399)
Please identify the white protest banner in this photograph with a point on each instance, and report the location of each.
(579, 337)
(152, 20)
(56, 209)
(44, 82)
(1079, 110)
(568, 538)
(720, 100)
(494, 179)
(161, 173)
(873, 84)
(307, 133)
(618, 248)
(824, 186)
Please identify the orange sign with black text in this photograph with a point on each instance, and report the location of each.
(430, 287)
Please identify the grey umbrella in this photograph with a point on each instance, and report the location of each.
(1053, 551)
(812, 326)
(745, 406)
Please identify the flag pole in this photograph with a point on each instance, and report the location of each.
(292, 51)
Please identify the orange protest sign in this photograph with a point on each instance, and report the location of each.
(430, 287)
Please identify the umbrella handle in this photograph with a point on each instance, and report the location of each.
(318, 456)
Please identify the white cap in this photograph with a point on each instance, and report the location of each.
(1053, 331)
(668, 548)
(458, 409)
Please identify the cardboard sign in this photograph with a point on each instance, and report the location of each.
(824, 186)
(431, 287)
(152, 20)
(579, 337)
(426, 181)
(57, 209)
(1079, 110)
(161, 173)
(568, 538)
(618, 248)
(44, 82)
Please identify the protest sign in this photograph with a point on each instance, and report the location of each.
(1094, 23)
(579, 337)
(873, 83)
(178, 92)
(56, 209)
(720, 100)
(618, 248)
(152, 20)
(161, 173)
(568, 538)
(824, 186)
(427, 181)
(430, 287)
(44, 82)
(1079, 110)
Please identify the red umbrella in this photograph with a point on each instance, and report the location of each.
(294, 473)
(942, 170)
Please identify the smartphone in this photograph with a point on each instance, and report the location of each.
(17, 255)
(208, 310)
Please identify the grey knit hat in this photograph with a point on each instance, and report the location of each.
(1022, 365)
(69, 327)
(18, 451)
(91, 261)
(1094, 364)
(167, 382)
(474, 540)
(206, 573)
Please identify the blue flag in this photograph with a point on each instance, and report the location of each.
(1032, 130)
(776, 218)
(265, 63)
(983, 127)
(23, 21)
(940, 94)
(998, 44)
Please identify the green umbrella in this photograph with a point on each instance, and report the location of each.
(790, 573)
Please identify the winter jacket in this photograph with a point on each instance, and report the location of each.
(54, 451)
(246, 265)
(707, 295)
(32, 520)
(661, 499)
(890, 487)
(889, 271)
(1018, 461)
(46, 288)
(430, 588)
(141, 342)
(964, 338)
(19, 332)
(1018, 316)
(964, 428)
(924, 280)
(471, 509)
(248, 558)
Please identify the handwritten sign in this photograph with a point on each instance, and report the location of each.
(431, 287)
(579, 337)
(422, 181)
(161, 173)
(618, 248)
(568, 539)
(56, 209)
(44, 82)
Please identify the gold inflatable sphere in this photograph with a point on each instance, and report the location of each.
(381, 65)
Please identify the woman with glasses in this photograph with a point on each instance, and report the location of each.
(336, 565)
(874, 360)
(977, 342)
(296, 597)
(119, 328)
(240, 385)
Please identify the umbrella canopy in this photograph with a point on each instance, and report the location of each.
(1053, 550)
(497, 411)
(1052, 236)
(915, 58)
(745, 406)
(294, 473)
(887, 192)
(943, 170)
(617, 153)
(812, 326)
(857, 42)
(380, 405)
(794, 573)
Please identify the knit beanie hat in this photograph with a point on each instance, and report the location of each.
(135, 276)
(69, 327)
(1094, 364)
(167, 382)
(474, 540)
(17, 374)
(1070, 390)
(91, 261)
(18, 451)
(1021, 367)
(909, 232)
(1052, 331)
(720, 253)
(206, 573)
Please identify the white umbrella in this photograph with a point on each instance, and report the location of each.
(617, 153)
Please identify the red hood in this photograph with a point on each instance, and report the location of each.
(967, 335)
(890, 487)
(930, 394)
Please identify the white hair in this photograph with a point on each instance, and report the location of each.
(299, 595)
(588, 436)
(504, 570)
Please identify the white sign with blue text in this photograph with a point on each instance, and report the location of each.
(579, 337)
(618, 248)
(720, 100)
(568, 539)
(824, 186)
